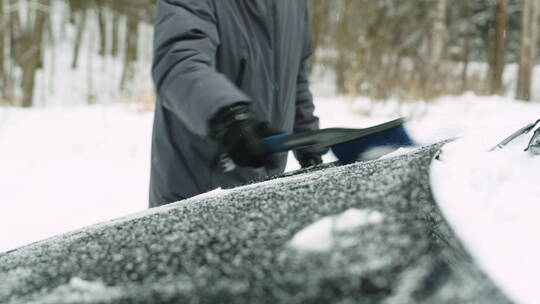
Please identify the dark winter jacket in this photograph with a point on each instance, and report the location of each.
(213, 53)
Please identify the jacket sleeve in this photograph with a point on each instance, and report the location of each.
(187, 83)
(305, 119)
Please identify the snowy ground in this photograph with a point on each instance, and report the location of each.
(82, 165)
(63, 169)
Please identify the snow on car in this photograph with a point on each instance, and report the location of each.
(389, 244)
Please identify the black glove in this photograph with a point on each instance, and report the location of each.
(238, 135)
(309, 160)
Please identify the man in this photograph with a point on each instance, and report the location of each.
(227, 73)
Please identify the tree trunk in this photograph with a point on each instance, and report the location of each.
(319, 24)
(498, 57)
(3, 25)
(528, 51)
(102, 31)
(342, 39)
(32, 57)
(467, 47)
(81, 25)
(131, 49)
(437, 34)
(115, 34)
(13, 33)
(436, 47)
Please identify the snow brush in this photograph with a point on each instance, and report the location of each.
(347, 144)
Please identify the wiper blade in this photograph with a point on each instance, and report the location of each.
(528, 128)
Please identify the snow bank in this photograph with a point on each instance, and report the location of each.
(492, 201)
(323, 234)
(63, 169)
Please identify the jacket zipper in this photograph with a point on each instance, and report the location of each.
(242, 73)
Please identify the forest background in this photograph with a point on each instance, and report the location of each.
(71, 52)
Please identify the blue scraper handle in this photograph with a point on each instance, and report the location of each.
(276, 143)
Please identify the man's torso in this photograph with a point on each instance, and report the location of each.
(261, 48)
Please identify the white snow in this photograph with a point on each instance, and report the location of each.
(399, 152)
(492, 201)
(81, 284)
(80, 291)
(214, 193)
(323, 234)
(63, 169)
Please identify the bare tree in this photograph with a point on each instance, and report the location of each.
(529, 45)
(131, 53)
(13, 32)
(342, 43)
(102, 23)
(2, 49)
(498, 56)
(469, 34)
(30, 59)
(82, 13)
(26, 44)
(115, 33)
(320, 11)
(436, 46)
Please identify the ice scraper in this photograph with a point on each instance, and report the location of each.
(347, 144)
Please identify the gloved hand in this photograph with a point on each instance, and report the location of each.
(238, 135)
(309, 160)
